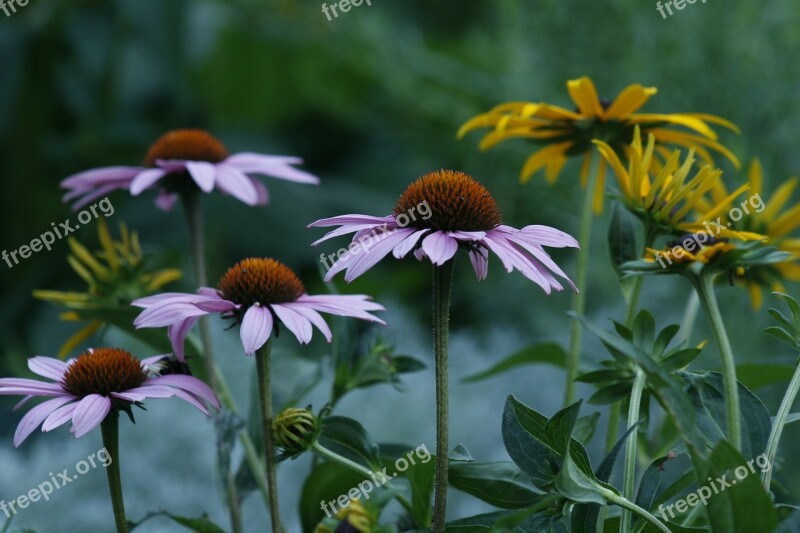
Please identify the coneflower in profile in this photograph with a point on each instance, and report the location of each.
(457, 213)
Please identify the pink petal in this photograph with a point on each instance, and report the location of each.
(355, 306)
(192, 400)
(89, 413)
(261, 190)
(294, 322)
(215, 305)
(547, 236)
(381, 249)
(189, 384)
(439, 247)
(256, 328)
(145, 180)
(166, 200)
(36, 416)
(234, 182)
(480, 263)
(47, 367)
(349, 219)
(177, 336)
(247, 161)
(140, 394)
(203, 174)
(59, 417)
(402, 249)
(313, 317)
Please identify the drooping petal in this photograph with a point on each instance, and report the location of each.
(145, 179)
(361, 262)
(355, 305)
(313, 317)
(480, 263)
(23, 386)
(59, 417)
(215, 305)
(274, 166)
(189, 384)
(408, 244)
(233, 181)
(547, 236)
(47, 367)
(192, 400)
(166, 200)
(256, 328)
(100, 176)
(349, 228)
(261, 191)
(177, 336)
(89, 413)
(36, 416)
(203, 173)
(166, 314)
(439, 247)
(140, 394)
(349, 219)
(294, 322)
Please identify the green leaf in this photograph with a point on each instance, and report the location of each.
(420, 477)
(644, 330)
(622, 244)
(326, 482)
(652, 492)
(679, 359)
(756, 376)
(548, 353)
(501, 484)
(745, 505)
(348, 438)
(611, 393)
(664, 338)
(575, 484)
(706, 392)
(585, 428)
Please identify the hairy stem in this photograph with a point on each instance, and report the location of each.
(442, 283)
(263, 355)
(631, 448)
(110, 431)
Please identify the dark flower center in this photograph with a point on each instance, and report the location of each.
(447, 200)
(262, 281)
(103, 371)
(190, 145)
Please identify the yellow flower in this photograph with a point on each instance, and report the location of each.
(114, 276)
(768, 218)
(683, 255)
(355, 515)
(663, 195)
(567, 133)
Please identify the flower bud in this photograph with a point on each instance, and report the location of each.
(294, 429)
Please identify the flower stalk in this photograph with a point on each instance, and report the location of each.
(110, 431)
(579, 300)
(442, 285)
(704, 285)
(263, 363)
(779, 423)
(631, 448)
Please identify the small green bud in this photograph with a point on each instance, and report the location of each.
(294, 429)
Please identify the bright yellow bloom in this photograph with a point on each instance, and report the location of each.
(664, 195)
(565, 133)
(115, 276)
(768, 218)
(355, 515)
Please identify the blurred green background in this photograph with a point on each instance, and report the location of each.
(371, 101)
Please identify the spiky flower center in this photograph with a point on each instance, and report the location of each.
(103, 371)
(262, 281)
(448, 200)
(189, 145)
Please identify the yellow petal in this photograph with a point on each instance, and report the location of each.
(674, 118)
(786, 223)
(756, 296)
(754, 176)
(485, 120)
(82, 253)
(161, 278)
(599, 188)
(540, 159)
(779, 199)
(61, 297)
(692, 141)
(714, 119)
(584, 94)
(724, 206)
(629, 101)
(108, 245)
(81, 270)
(623, 179)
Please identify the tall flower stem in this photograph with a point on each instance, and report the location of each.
(579, 300)
(704, 284)
(779, 423)
(194, 222)
(631, 506)
(263, 364)
(110, 431)
(442, 285)
(352, 465)
(631, 448)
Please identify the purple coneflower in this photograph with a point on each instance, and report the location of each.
(435, 216)
(187, 158)
(259, 294)
(91, 390)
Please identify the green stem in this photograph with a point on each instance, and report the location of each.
(629, 505)
(352, 465)
(265, 398)
(255, 464)
(633, 304)
(233, 505)
(579, 300)
(442, 284)
(779, 423)
(705, 291)
(629, 472)
(110, 431)
(614, 414)
(194, 222)
(689, 317)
